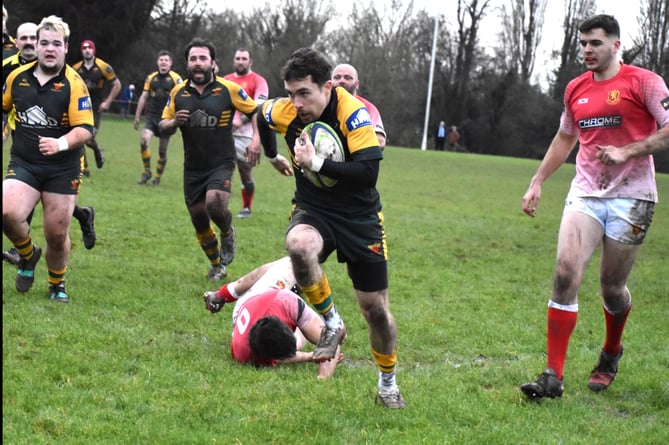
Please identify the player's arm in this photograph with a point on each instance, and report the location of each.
(141, 104)
(244, 283)
(113, 93)
(653, 144)
(382, 139)
(268, 141)
(171, 118)
(557, 154)
(363, 168)
(254, 145)
(74, 138)
(312, 332)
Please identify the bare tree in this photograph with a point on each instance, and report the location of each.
(521, 35)
(469, 16)
(575, 11)
(275, 33)
(651, 47)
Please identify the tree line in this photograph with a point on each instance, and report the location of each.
(491, 96)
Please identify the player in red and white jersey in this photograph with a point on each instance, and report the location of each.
(256, 87)
(270, 291)
(346, 76)
(613, 111)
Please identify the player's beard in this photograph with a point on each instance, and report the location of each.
(51, 69)
(206, 77)
(241, 71)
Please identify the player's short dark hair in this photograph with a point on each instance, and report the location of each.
(199, 42)
(271, 339)
(604, 21)
(168, 54)
(306, 62)
(244, 50)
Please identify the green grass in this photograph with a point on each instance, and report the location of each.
(136, 359)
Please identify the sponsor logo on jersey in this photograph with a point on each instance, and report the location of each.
(36, 117)
(583, 100)
(201, 119)
(600, 122)
(359, 118)
(268, 111)
(665, 103)
(85, 103)
(243, 94)
(57, 86)
(216, 91)
(613, 97)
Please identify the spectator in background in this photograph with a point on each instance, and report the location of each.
(256, 87)
(100, 78)
(453, 138)
(126, 100)
(156, 91)
(346, 76)
(440, 137)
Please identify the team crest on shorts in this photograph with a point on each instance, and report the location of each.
(376, 248)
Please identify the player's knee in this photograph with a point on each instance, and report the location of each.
(378, 316)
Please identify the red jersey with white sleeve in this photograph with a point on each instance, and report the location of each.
(374, 116)
(280, 303)
(618, 111)
(256, 87)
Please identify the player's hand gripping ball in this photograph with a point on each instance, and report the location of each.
(328, 146)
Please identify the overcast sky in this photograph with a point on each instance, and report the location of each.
(625, 11)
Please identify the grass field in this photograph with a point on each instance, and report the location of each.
(136, 359)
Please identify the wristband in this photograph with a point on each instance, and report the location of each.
(62, 143)
(227, 293)
(316, 164)
(274, 160)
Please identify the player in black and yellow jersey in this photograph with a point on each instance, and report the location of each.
(26, 38)
(8, 43)
(26, 41)
(346, 217)
(52, 118)
(156, 91)
(203, 107)
(100, 78)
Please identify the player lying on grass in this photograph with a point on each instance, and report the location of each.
(271, 324)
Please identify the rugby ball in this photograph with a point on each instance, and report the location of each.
(328, 146)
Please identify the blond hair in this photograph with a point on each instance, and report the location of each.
(56, 24)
